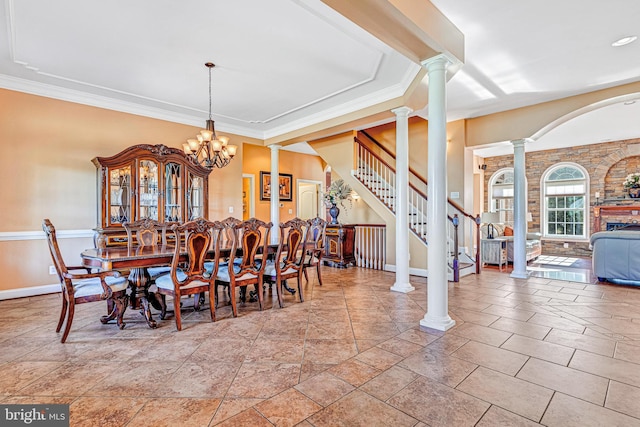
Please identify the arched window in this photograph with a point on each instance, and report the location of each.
(501, 195)
(564, 192)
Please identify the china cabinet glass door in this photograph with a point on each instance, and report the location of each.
(173, 195)
(120, 195)
(148, 190)
(195, 198)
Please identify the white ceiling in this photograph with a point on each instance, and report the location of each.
(286, 64)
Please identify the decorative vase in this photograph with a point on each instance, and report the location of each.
(334, 212)
(634, 192)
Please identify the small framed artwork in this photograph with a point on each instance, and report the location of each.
(285, 186)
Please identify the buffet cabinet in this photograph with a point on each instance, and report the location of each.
(339, 245)
(147, 181)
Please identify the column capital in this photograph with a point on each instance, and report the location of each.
(275, 147)
(520, 142)
(439, 61)
(403, 111)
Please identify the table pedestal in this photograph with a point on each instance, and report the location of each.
(139, 280)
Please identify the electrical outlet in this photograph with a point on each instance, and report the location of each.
(565, 245)
(230, 209)
(290, 211)
(52, 269)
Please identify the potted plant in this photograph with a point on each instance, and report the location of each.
(337, 193)
(632, 184)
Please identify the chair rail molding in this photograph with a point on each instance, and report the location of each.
(6, 236)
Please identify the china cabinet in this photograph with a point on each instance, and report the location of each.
(147, 181)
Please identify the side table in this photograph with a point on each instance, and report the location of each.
(494, 251)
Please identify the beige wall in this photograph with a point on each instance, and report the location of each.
(338, 151)
(418, 152)
(300, 166)
(46, 147)
(534, 120)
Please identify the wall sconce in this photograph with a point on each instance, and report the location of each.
(355, 196)
(483, 167)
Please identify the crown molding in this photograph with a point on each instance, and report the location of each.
(360, 103)
(79, 97)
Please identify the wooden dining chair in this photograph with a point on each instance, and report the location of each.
(145, 233)
(289, 258)
(251, 239)
(79, 287)
(315, 247)
(197, 238)
(229, 232)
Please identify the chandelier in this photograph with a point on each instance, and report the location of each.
(207, 149)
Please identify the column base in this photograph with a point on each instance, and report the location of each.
(439, 323)
(402, 287)
(519, 275)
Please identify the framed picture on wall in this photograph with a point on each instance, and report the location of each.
(285, 186)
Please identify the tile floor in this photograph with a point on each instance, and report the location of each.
(573, 269)
(522, 353)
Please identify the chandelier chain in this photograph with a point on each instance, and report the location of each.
(210, 92)
(207, 149)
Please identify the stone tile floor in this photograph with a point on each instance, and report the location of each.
(523, 352)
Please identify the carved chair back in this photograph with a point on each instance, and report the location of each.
(291, 248)
(252, 237)
(145, 232)
(198, 238)
(317, 227)
(56, 255)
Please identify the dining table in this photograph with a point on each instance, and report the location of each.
(136, 260)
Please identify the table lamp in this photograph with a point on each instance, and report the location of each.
(489, 218)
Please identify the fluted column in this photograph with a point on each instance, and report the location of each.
(519, 211)
(402, 283)
(437, 316)
(275, 194)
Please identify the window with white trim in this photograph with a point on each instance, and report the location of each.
(501, 195)
(564, 194)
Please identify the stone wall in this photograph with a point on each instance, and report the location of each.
(607, 165)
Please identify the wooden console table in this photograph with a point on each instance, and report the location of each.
(339, 245)
(613, 210)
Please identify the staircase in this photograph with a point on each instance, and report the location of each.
(375, 170)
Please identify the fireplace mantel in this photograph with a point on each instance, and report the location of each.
(610, 210)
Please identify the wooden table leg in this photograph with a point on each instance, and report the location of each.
(139, 280)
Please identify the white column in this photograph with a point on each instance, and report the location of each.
(437, 316)
(402, 283)
(275, 194)
(519, 211)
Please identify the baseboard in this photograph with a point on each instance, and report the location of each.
(412, 271)
(29, 292)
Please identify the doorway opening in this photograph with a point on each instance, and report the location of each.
(248, 196)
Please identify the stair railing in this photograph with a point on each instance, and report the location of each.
(370, 246)
(375, 169)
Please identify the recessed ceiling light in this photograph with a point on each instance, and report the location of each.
(624, 40)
